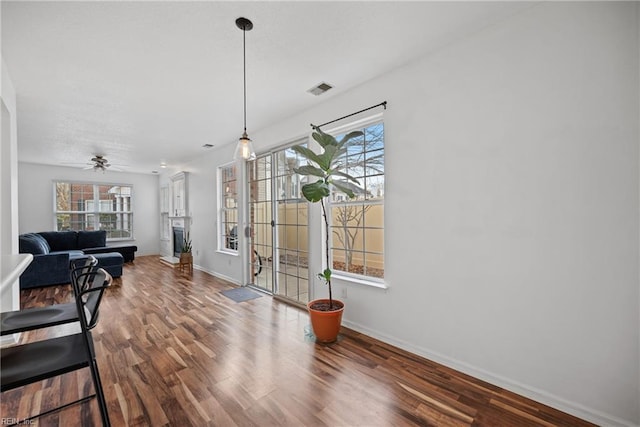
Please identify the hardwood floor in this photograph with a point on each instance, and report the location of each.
(172, 350)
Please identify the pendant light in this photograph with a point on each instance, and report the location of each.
(244, 150)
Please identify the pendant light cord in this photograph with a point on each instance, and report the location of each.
(244, 73)
(244, 149)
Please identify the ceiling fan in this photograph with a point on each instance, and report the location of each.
(100, 163)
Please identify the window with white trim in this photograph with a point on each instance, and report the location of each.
(84, 206)
(165, 223)
(357, 224)
(228, 208)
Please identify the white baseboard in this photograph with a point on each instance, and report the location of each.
(216, 274)
(540, 396)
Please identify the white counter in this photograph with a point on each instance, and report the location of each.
(11, 267)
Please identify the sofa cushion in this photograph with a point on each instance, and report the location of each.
(32, 243)
(46, 270)
(92, 239)
(128, 252)
(61, 240)
(73, 254)
(112, 262)
(108, 259)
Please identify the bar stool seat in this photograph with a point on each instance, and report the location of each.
(19, 321)
(25, 364)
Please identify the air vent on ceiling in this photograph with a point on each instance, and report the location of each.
(320, 88)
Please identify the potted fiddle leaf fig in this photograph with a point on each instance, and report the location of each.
(325, 166)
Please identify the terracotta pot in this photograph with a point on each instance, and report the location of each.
(326, 324)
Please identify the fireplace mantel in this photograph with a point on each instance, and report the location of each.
(180, 221)
(174, 211)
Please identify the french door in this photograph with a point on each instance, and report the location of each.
(261, 249)
(278, 216)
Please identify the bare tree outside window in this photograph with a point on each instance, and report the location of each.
(358, 224)
(63, 203)
(346, 228)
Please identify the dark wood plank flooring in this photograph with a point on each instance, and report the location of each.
(173, 350)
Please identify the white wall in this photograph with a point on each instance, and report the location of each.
(203, 209)
(512, 207)
(35, 184)
(512, 210)
(10, 298)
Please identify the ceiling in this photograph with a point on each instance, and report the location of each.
(148, 82)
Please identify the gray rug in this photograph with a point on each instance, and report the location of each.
(241, 294)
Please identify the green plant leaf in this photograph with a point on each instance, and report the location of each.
(315, 191)
(344, 189)
(326, 158)
(340, 150)
(351, 135)
(345, 175)
(310, 170)
(324, 139)
(186, 243)
(306, 153)
(325, 275)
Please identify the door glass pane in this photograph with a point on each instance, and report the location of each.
(291, 228)
(260, 241)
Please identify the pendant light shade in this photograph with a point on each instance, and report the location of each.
(244, 150)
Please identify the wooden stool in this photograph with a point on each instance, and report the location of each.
(186, 262)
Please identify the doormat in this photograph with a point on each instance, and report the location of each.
(241, 294)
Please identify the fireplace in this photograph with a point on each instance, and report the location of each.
(178, 239)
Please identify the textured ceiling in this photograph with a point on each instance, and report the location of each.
(149, 82)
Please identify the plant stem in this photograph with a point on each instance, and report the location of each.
(326, 247)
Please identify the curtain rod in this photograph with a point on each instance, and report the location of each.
(383, 104)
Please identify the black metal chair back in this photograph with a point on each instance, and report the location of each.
(36, 361)
(13, 322)
(80, 266)
(89, 289)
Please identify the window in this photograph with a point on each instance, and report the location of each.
(165, 224)
(228, 213)
(82, 206)
(357, 225)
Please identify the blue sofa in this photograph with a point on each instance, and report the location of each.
(53, 250)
